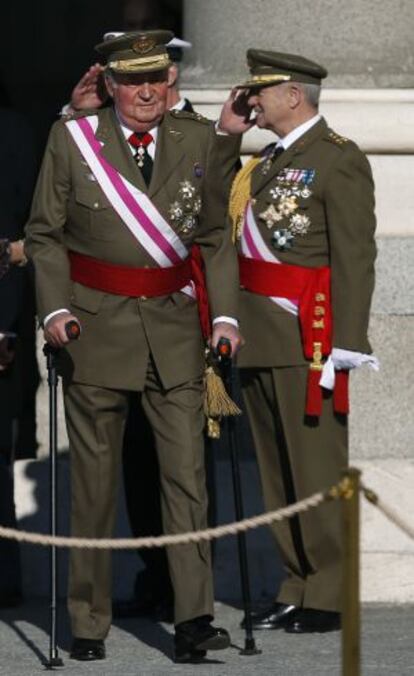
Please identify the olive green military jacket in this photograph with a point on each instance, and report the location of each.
(331, 222)
(71, 212)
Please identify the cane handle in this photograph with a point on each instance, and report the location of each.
(224, 348)
(72, 329)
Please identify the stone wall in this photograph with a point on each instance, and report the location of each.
(364, 43)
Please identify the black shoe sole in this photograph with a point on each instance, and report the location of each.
(272, 626)
(305, 630)
(86, 658)
(214, 643)
(197, 653)
(266, 627)
(191, 657)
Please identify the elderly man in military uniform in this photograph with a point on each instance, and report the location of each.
(152, 591)
(303, 217)
(122, 196)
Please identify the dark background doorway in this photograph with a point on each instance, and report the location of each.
(46, 45)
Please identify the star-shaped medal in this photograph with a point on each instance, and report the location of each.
(270, 216)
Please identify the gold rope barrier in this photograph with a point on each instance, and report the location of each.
(348, 491)
(168, 540)
(388, 511)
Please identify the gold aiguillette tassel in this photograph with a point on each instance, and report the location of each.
(213, 428)
(217, 403)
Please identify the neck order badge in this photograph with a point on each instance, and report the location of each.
(141, 142)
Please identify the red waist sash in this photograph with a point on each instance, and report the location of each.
(311, 288)
(147, 282)
(125, 281)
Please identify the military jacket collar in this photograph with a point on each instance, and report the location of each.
(168, 153)
(259, 180)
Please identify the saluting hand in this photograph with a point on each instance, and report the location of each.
(235, 117)
(90, 92)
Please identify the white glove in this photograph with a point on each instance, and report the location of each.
(347, 360)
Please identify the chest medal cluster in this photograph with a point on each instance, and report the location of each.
(283, 216)
(186, 207)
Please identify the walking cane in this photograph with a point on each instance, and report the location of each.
(224, 353)
(72, 331)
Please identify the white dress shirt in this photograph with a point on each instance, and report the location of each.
(286, 141)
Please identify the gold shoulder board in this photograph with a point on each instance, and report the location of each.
(336, 139)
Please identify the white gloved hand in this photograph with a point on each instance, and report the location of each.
(344, 360)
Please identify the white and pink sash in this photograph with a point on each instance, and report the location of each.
(254, 246)
(134, 207)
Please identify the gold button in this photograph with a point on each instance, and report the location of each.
(96, 205)
(318, 324)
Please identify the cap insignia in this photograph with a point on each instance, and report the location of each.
(143, 45)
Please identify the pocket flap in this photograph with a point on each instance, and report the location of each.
(86, 299)
(91, 199)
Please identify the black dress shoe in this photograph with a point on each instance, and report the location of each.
(309, 621)
(193, 639)
(87, 649)
(275, 617)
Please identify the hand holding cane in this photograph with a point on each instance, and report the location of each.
(72, 329)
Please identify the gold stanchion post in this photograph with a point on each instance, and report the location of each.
(351, 650)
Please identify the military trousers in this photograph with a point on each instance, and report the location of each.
(96, 420)
(298, 456)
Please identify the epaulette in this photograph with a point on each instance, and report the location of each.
(335, 138)
(185, 114)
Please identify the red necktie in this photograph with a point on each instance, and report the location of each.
(142, 156)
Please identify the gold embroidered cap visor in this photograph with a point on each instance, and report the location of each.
(137, 52)
(270, 68)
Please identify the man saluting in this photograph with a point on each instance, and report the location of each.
(122, 196)
(303, 213)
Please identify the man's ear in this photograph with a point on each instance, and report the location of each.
(109, 85)
(172, 75)
(295, 96)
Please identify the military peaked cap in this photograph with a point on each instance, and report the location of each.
(137, 52)
(268, 68)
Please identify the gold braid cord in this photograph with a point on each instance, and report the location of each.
(240, 195)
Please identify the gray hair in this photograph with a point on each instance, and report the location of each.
(109, 75)
(311, 92)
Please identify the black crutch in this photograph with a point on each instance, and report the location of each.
(224, 353)
(72, 332)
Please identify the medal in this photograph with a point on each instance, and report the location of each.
(282, 239)
(299, 224)
(271, 216)
(185, 208)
